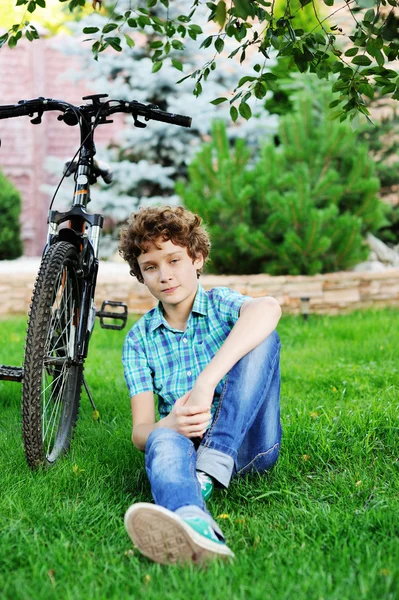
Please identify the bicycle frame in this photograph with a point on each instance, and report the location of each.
(84, 229)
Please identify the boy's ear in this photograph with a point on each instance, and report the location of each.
(199, 262)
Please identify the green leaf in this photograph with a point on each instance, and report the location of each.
(90, 29)
(109, 27)
(367, 90)
(388, 89)
(335, 114)
(218, 101)
(363, 60)
(233, 113)
(12, 42)
(220, 14)
(198, 89)
(183, 78)
(395, 96)
(219, 44)
(369, 16)
(132, 23)
(31, 8)
(329, 2)
(207, 42)
(260, 90)
(3, 39)
(245, 80)
(156, 66)
(352, 52)
(143, 21)
(245, 110)
(177, 45)
(243, 9)
(177, 64)
(157, 44)
(41, 3)
(114, 42)
(130, 41)
(196, 29)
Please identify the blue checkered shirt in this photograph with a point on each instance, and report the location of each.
(158, 358)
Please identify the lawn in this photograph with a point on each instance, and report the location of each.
(323, 524)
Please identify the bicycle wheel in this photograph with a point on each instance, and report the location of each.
(52, 375)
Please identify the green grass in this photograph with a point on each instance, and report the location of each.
(323, 524)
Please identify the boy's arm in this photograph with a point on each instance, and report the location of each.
(190, 421)
(258, 319)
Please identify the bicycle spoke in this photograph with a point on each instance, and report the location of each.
(50, 384)
(57, 404)
(58, 347)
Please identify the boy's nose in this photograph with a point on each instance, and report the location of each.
(165, 275)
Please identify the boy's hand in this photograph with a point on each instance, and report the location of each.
(201, 396)
(190, 421)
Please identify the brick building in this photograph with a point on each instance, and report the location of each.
(29, 71)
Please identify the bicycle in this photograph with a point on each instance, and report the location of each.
(62, 311)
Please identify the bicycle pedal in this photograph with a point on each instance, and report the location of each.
(11, 373)
(120, 315)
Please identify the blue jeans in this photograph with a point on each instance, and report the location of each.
(244, 436)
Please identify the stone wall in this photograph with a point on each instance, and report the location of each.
(329, 294)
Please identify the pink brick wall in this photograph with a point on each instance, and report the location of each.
(26, 72)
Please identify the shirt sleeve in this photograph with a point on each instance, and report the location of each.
(138, 375)
(228, 303)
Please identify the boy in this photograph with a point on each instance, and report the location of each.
(213, 360)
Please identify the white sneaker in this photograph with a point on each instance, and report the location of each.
(166, 538)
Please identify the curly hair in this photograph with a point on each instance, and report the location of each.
(162, 223)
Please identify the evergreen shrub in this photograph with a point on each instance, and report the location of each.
(10, 208)
(300, 208)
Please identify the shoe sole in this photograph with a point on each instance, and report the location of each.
(163, 537)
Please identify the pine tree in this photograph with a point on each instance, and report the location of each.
(302, 208)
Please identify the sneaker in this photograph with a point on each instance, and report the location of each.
(206, 483)
(164, 537)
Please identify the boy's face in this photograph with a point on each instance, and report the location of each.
(169, 273)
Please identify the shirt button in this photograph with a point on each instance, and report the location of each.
(185, 340)
(188, 373)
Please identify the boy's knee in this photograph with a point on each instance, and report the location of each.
(271, 344)
(165, 437)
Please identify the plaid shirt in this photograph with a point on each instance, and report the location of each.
(167, 361)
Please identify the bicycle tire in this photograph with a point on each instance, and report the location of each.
(52, 376)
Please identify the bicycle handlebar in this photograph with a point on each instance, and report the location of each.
(100, 110)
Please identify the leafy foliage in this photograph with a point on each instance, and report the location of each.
(302, 208)
(255, 26)
(10, 208)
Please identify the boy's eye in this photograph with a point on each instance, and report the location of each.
(148, 268)
(175, 260)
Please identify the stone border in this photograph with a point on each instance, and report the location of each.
(331, 293)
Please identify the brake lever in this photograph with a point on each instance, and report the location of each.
(37, 120)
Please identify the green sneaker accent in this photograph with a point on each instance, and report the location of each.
(203, 528)
(206, 485)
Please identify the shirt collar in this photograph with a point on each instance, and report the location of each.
(200, 306)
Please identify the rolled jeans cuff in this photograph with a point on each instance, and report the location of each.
(216, 464)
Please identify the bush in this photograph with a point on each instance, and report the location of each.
(301, 208)
(10, 208)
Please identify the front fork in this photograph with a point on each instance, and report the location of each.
(87, 244)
